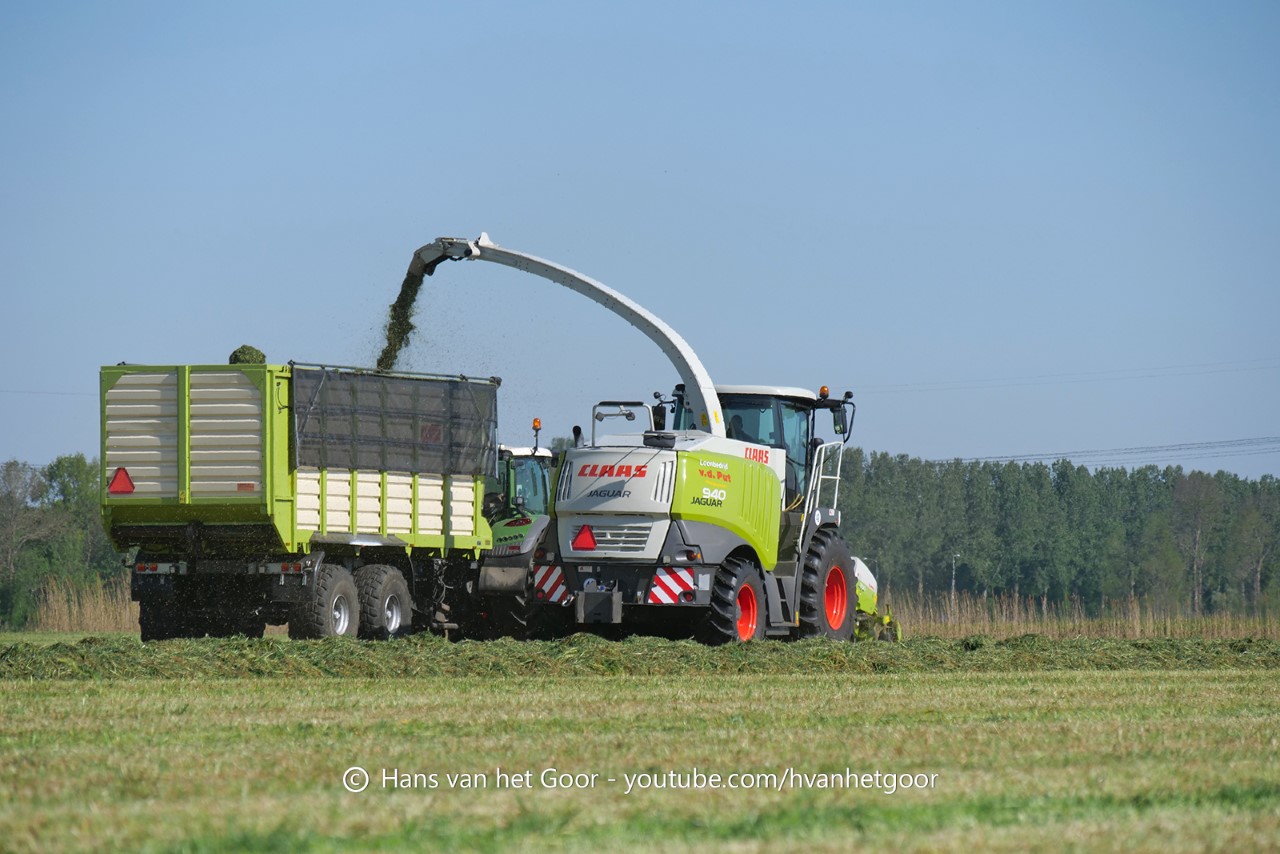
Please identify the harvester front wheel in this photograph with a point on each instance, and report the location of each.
(386, 608)
(332, 609)
(738, 606)
(826, 594)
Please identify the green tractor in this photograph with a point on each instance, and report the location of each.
(517, 506)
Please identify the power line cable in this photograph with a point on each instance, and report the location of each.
(1114, 375)
(1257, 446)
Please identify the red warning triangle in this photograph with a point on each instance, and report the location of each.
(584, 540)
(121, 483)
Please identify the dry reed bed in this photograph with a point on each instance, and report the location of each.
(1009, 616)
(94, 607)
(105, 607)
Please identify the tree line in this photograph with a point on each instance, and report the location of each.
(50, 529)
(1186, 542)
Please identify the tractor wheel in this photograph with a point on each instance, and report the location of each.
(386, 607)
(333, 608)
(738, 606)
(826, 588)
(528, 620)
(512, 616)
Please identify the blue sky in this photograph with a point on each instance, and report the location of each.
(1010, 228)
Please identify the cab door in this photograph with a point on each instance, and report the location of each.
(795, 428)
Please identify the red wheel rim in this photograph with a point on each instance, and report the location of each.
(836, 597)
(748, 612)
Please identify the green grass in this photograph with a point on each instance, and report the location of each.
(124, 656)
(47, 638)
(1086, 757)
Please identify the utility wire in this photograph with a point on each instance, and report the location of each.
(1119, 374)
(1257, 446)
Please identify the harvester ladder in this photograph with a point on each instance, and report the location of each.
(821, 484)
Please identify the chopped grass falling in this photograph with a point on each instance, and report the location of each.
(400, 318)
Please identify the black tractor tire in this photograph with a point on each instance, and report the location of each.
(738, 607)
(546, 622)
(386, 606)
(827, 591)
(519, 616)
(332, 609)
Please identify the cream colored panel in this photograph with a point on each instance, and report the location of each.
(338, 501)
(142, 431)
(225, 435)
(399, 503)
(430, 504)
(308, 499)
(368, 501)
(462, 497)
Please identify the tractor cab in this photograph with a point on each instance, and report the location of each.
(518, 496)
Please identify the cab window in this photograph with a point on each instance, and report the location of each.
(530, 486)
(750, 420)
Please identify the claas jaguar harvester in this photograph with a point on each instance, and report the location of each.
(724, 525)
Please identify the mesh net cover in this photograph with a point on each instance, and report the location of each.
(375, 422)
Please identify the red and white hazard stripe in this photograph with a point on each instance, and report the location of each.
(548, 584)
(669, 583)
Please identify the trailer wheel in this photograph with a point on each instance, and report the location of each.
(333, 608)
(386, 607)
(738, 608)
(826, 595)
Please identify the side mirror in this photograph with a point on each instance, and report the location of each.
(659, 416)
(840, 421)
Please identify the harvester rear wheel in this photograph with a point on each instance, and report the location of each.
(826, 592)
(738, 608)
(386, 607)
(332, 609)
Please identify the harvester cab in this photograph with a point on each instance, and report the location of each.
(725, 525)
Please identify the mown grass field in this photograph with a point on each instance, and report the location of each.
(242, 745)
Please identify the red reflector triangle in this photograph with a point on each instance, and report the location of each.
(584, 540)
(121, 483)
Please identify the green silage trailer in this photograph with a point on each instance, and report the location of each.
(337, 500)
